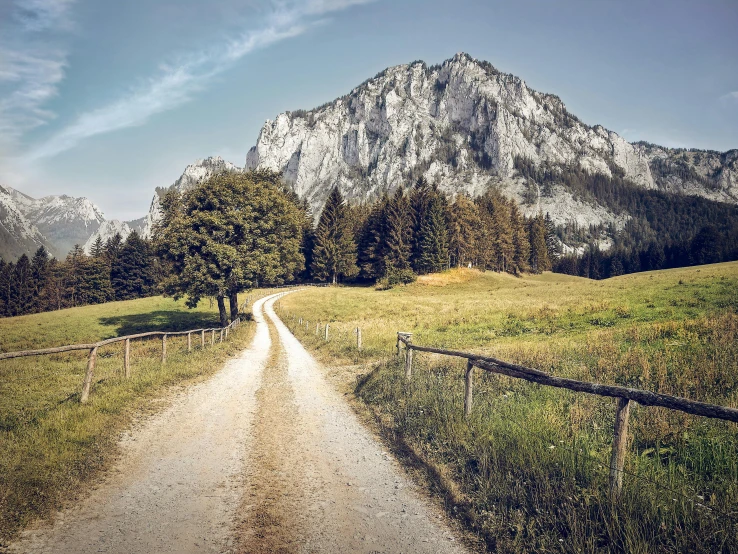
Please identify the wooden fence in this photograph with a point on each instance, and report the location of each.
(624, 396)
(222, 333)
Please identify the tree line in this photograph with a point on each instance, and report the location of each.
(116, 270)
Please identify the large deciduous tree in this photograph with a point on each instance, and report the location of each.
(228, 234)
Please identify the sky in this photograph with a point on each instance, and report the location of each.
(109, 99)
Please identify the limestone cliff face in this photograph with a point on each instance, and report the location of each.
(462, 124)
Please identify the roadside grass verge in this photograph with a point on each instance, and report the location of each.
(528, 472)
(50, 445)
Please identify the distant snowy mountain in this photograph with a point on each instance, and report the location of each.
(106, 231)
(18, 235)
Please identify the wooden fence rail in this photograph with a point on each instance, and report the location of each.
(92, 348)
(624, 396)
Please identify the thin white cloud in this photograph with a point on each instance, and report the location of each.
(732, 96)
(177, 84)
(33, 61)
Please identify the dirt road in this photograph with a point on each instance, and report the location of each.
(263, 457)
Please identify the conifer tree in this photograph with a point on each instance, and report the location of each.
(434, 254)
(539, 260)
(398, 231)
(39, 276)
(98, 248)
(372, 241)
(521, 240)
(132, 271)
(334, 254)
(113, 247)
(464, 232)
(419, 200)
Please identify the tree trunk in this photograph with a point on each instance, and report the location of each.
(335, 278)
(233, 301)
(222, 310)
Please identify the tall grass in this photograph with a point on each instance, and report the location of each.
(50, 444)
(529, 469)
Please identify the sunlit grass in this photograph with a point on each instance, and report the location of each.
(533, 461)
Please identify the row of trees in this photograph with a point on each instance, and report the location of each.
(116, 270)
(420, 231)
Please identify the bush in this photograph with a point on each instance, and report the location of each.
(393, 277)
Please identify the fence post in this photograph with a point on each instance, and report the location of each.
(127, 359)
(408, 359)
(202, 338)
(189, 342)
(468, 389)
(164, 348)
(317, 328)
(212, 338)
(226, 332)
(88, 376)
(326, 331)
(358, 338)
(221, 335)
(619, 443)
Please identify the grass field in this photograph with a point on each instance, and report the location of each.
(528, 472)
(50, 444)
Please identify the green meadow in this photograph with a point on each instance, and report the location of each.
(528, 472)
(50, 444)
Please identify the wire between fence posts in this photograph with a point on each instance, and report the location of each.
(88, 376)
(619, 445)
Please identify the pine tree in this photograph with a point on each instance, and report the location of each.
(22, 299)
(98, 248)
(419, 200)
(39, 276)
(334, 254)
(521, 240)
(132, 272)
(553, 244)
(539, 260)
(113, 247)
(465, 231)
(434, 237)
(372, 243)
(398, 232)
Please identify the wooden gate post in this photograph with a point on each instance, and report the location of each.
(358, 338)
(88, 376)
(202, 338)
(164, 348)
(619, 443)
(408, 360)
(468, 389)
(189, 342)
(127, 359)
(326, 331)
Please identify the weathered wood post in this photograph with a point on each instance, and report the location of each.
(408, 358)
(164, 348)
(88, 376)
(221, 335)
(358, 338)
(619, 444)
(127, 359)
(226, 336)
(202, 338)
(212, 338)
(189, 342)
(317, 328)
(326, 331)
(468, 389)
(398, 344)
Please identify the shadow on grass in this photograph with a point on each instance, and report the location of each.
(162, 320)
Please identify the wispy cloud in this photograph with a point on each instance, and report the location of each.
(33, 61)
(731, 96)
(178, 83)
